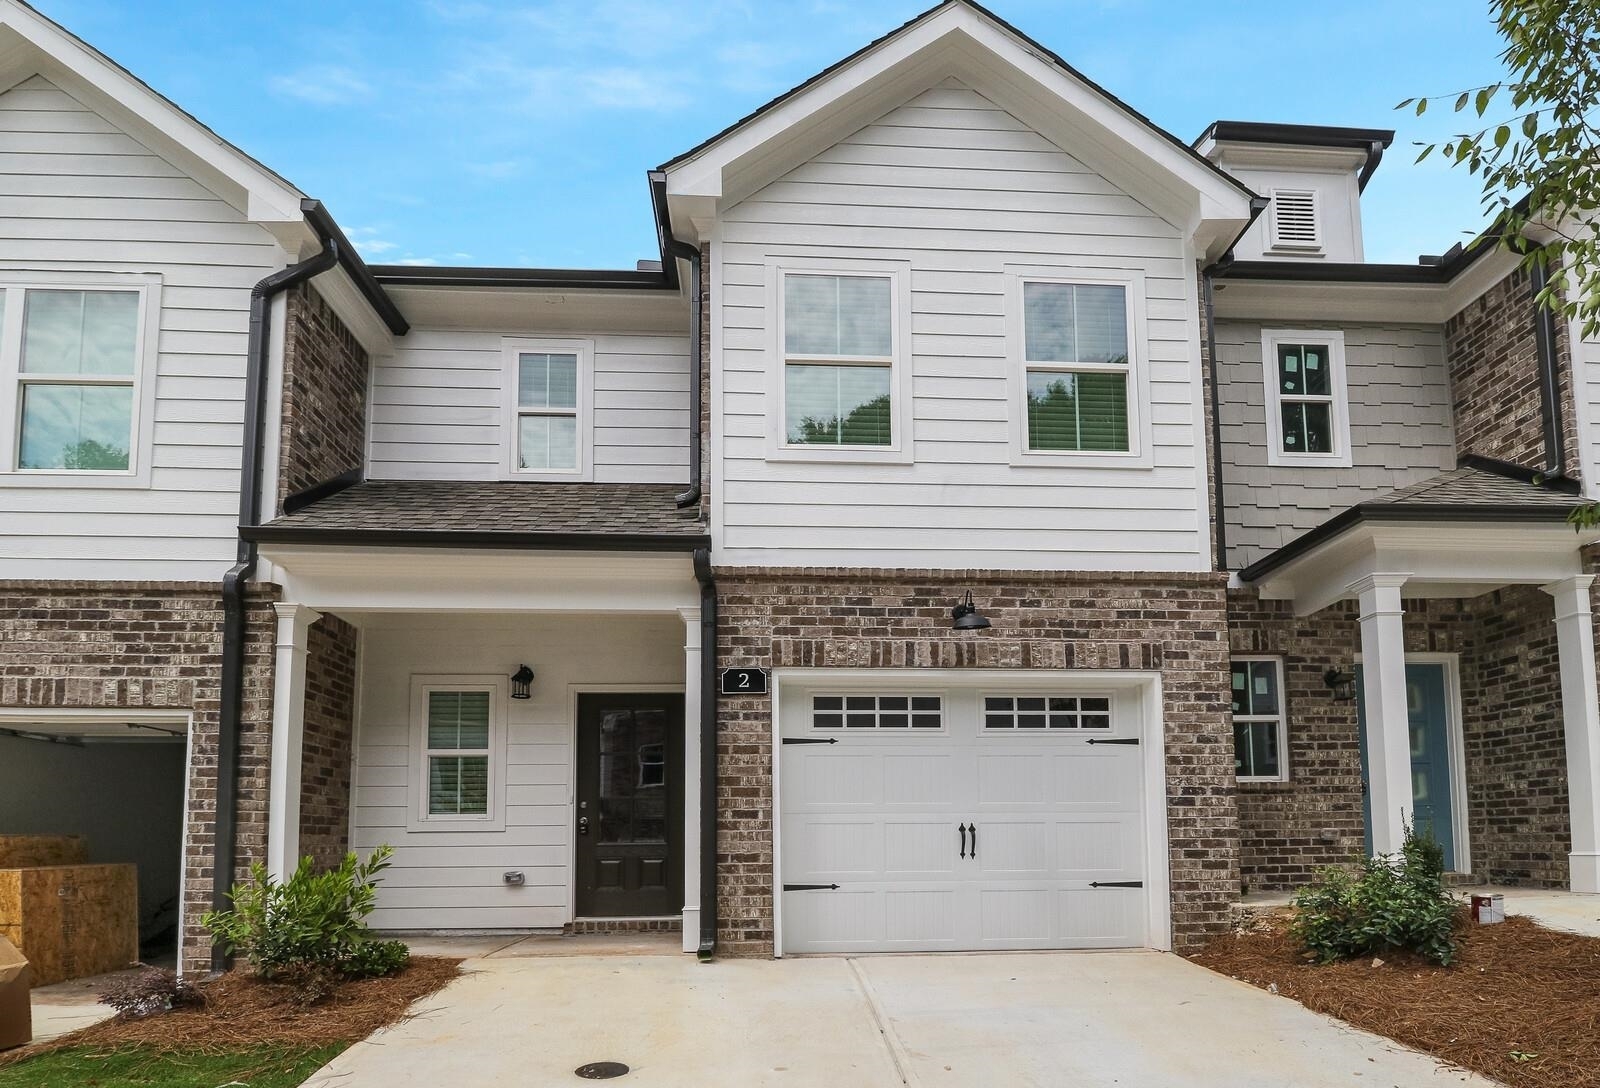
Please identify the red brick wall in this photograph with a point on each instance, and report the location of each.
(1514, 757)
(901, 619)
(1494, 377)
(323, 430)
(328, 738)
(151, 645)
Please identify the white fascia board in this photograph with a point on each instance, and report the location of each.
(153, 119)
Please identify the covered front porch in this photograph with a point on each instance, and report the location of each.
(1439, 668)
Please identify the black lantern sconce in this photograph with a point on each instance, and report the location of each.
(966, 617)
(1341, 683)
(521, 682)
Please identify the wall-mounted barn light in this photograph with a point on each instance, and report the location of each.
(521, 682)
(966, 617)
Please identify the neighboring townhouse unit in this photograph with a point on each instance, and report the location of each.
(993, 523)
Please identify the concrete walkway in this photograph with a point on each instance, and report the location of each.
(1130, 1019)
(1554, 910)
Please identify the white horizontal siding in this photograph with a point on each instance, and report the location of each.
(77, 194)
(437, 404)
(455, 879)
(959, 189)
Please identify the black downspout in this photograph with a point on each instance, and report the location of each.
(1544, 339)
(691, 253)
(708, 752)
(231, 711)
(1219, 506)
(1370, 167)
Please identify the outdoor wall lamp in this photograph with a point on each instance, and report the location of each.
(966, 617)
(1342, 684)
(521, 681)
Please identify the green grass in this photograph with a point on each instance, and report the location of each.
(140, 1067)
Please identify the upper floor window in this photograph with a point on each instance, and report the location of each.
(1307, 403)
(73, 387)
(840, 382)
(548, 424)
(1294, 221)
(1259, 738)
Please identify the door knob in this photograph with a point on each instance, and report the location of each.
(583, 825)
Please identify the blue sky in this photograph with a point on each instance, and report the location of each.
(519, 131)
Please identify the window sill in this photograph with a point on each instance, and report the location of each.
(1073, 459)
(572, 476)
(848, 455)
(1257, 781)
(50, 478)
(1309, 460)
(447, 825)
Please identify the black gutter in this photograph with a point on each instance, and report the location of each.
(397, 275)
(1270, 132)
(673, 250)
(278, 533)
(230, 712)
(708, 753)
(1391, 512)
(1544, 339)
(355, 267)
(1370, 167)
(1339, 272)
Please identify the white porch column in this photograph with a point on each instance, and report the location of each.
(1388, 727)
(692, 786)
(1580, 713)
(288, 731)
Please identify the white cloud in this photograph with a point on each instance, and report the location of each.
(420, 262)
(322, 85)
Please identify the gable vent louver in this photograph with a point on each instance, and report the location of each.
(1294, 220)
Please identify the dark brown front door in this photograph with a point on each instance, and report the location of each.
(630, 805)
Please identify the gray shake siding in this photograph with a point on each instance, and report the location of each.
(1400, 431)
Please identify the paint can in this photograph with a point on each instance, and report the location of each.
(1487, 909)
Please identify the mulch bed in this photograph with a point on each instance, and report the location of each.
(242, 1012)
(1521, 1004)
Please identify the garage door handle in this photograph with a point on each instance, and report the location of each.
(961, 829)
(811, 740)
(972, 829)
(1113, 740)
(1116, 883)
(811, 887)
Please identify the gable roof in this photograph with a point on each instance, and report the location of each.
(1023, 76)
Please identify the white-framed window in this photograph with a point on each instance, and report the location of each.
(1046, 712)
(1073, 338)
(458, 745)
(901, 710)
(1295, 224)
(549, 420)
(1260, 732)
(1307, 400)
(841, 377)
(77, 377)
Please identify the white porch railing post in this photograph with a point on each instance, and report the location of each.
(692, 786)
(1388, 726)
(288, 732)
(1580, 713)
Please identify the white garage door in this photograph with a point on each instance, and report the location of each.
(928, 819)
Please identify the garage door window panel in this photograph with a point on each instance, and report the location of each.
(1046, 712)
(901, 711)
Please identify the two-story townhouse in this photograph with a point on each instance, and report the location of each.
(886, 567)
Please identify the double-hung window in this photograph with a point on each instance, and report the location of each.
(1307, 405)
(72, 378)
(458, 744)
(548, 430)
(1078, 383)
(1259, 734)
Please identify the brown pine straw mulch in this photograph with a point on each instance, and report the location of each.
(1521, 1004)
(243, 1012)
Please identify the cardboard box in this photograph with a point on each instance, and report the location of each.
(1488, 909)
(16, 1016)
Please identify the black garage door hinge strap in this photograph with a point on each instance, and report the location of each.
(1116, 883)
(811, 740)
(1113, 740)
(811, 887)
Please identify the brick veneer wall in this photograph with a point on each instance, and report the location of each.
(151, 646)
(1514, 757)
(1494, 377)
(329, 735)
(325, 374)
(1174, 623)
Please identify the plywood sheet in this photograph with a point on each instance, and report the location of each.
(31, 851)
(71, 920)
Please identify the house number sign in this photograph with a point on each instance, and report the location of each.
(744, 681)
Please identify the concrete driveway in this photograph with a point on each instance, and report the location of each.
(1139, 1019)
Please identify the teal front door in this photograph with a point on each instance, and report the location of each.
(1428, 714)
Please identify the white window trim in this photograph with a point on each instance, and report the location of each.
(418, 818)
(1281, 718)
(1277, 456)
(15, 283)
(510, 348)
(1138, 455)
(1277, 244)
(901, 450)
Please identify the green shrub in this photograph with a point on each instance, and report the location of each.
(1389, 903)
(309, 931)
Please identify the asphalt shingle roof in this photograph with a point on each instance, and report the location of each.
(1469, 486)
(511, 508)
